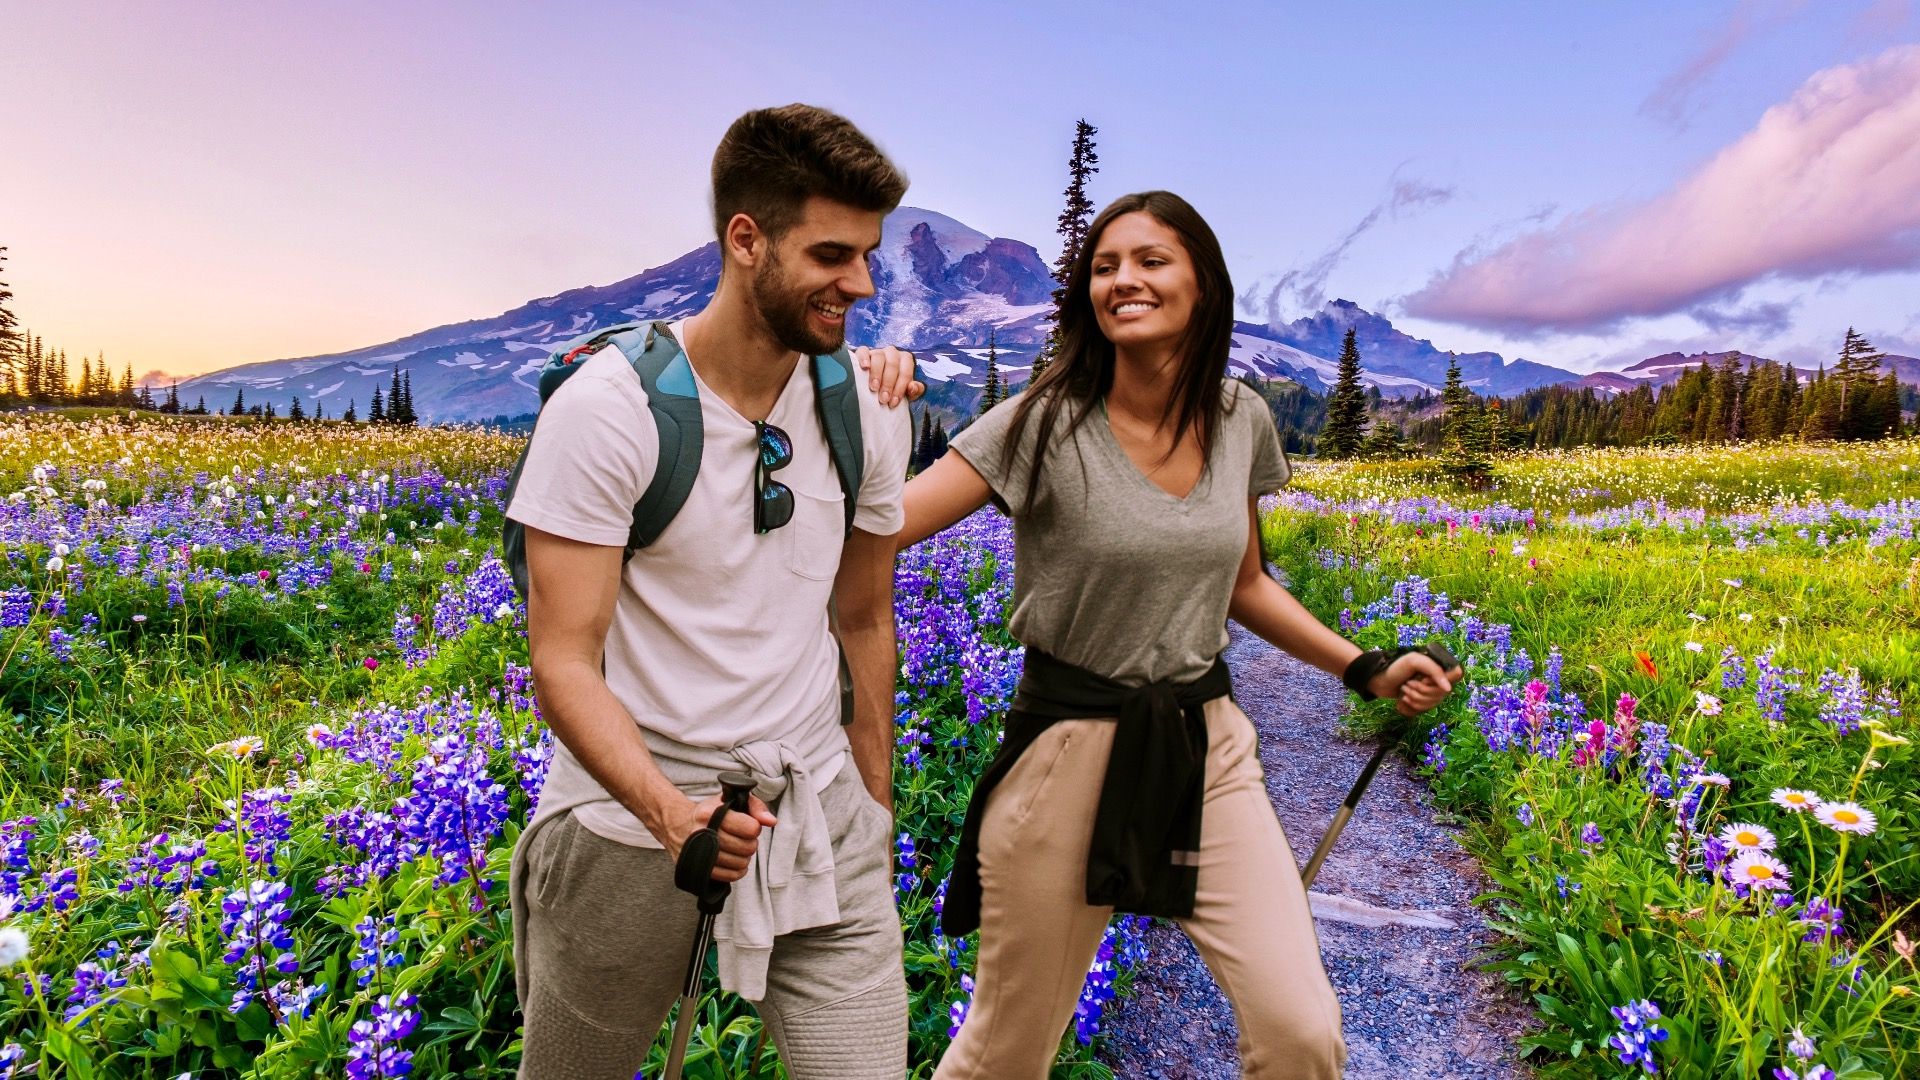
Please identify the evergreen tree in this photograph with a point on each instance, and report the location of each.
(938, 445)
(126, 386)
(1075, 216)
(1382, 441)
(407, 415)
(239, 406)
(1347, 406)
(349, 416)
(1463, 435)
(144, 398)
(172, 407)
(377, 412)
(1880, 408)
(994, 392)
(917, 461)
(295, 412)
(200, 408)
(1857, 371)
(12, 347)
(393, 397)
(1822, 409)
(85, 391)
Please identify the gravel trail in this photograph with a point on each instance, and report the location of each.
(1412, 1003)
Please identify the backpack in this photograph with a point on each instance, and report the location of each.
(674, 400)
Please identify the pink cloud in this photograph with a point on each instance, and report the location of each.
(1828, 182)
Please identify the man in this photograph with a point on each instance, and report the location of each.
(713, 649)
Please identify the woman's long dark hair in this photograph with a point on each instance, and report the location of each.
(1082, 369)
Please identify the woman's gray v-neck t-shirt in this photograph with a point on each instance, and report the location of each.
(1112, 573)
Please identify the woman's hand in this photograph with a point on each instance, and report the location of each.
(889, 374)
(1416, 681)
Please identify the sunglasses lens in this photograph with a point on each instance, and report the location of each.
(773, 508)
(776, 450)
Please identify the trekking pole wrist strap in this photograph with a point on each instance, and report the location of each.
(1363, 668)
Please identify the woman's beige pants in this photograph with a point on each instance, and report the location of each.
(1038, 935)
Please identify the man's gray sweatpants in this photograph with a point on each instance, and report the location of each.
(607, 939)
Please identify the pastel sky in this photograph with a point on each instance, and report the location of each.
(191, 186)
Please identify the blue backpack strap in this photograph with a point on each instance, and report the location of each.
(838, 400)
(674, 400)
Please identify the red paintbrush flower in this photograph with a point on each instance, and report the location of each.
(1646, 665)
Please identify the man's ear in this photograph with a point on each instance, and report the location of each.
(744, 242)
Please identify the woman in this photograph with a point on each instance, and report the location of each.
(1129, 779)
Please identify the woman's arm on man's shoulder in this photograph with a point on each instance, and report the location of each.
(948, 491)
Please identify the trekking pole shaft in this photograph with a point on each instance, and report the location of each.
(1345, 811)
(682, 1027)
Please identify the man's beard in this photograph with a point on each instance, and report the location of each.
(785, 313)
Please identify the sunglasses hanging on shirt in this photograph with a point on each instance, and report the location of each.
(772, 500)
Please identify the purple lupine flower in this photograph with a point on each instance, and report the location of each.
(1771, 687)
(93, 985)
(957, 1012)
(1846, 703)
(1095, 993)
(1733, 670)
(1525, 814)
(1801, 1046)
(292, 997)
(1436, 748)
(264, 824)
(16, 608)
(1824, 921)
(378, 948)
(374, 1044)
(1637, 1033)
(455, 810)
(254, 922)
(1590, 835)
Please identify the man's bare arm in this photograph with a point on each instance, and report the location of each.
(863, 597)
(572, 588)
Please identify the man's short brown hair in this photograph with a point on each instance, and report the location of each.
(771, 160)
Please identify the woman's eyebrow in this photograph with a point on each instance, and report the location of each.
(1155, 246)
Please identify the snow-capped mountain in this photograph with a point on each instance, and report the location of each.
(942, 289)
(1388, 353)
(1665, 369)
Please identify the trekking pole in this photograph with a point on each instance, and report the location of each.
(693, 872)
(1439, 654)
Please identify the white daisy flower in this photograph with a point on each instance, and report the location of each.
(1716, 779)
(316, 732)
(243, 747)
(1759, 870)
(1706, 703)
(1694, 646)
(1747, 837)
(1795, 800)
(1847, 817)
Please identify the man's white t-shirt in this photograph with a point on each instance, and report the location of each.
(719, 637)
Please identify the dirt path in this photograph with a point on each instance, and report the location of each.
(1393, 906)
